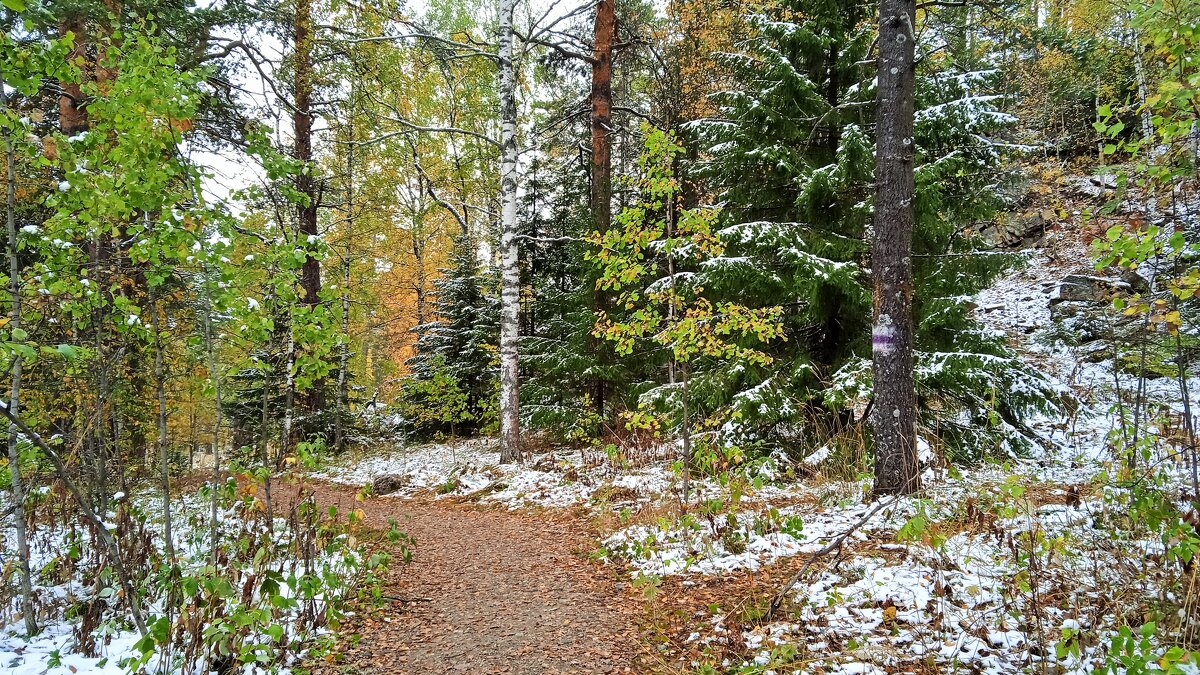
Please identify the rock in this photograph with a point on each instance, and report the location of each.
(1091, 186)
(389, 483)
(1062, 310)
(1096, 352)
(1086, 288)
(1016, 230)
(1081, 322)
(1136, 282)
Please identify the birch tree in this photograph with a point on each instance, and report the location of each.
(510, 273)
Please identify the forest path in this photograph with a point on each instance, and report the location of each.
(489, 591)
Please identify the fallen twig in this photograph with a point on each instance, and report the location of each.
(815, 555)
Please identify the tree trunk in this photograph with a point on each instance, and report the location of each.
(891, 255)
(289, 398)
(71, 117)
(164, 463)
(601, 187)
(418, 249)
(302, 120)
(510, 272)
(14, 324)
(339, 432)
(215, 374)
(1139, 69)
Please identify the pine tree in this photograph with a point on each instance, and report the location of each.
(791, 158)
(895, 434)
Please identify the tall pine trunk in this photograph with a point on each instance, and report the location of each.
(302, 120)
(14, 401)
(601, 188)
(312, 401)
(510, 273)
(891, 255)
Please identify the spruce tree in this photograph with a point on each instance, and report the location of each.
(791, 160)
(452, 388)
(562, 358)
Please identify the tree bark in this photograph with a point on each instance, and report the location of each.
(1139, 69)
(71, 117)
(302, 120)
(891, 255)
(601, 188)
(289, 398)
(311, 401)
(339, 432)
(510, 272)
(164, 460)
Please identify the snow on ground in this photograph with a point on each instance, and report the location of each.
(956, 578)
(1017, 306)
(473, 468)
(55, 650)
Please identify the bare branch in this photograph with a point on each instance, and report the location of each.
(556, 46)
(826, 550)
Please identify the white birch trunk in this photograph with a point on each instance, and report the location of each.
(285, 433)
(510, 280)
(1140, 72)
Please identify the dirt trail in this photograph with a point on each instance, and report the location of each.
(490, 591)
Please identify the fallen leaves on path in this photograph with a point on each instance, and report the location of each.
(489, 591)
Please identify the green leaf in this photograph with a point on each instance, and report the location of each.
(23, 350)
(14, 5)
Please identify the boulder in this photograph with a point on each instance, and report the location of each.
(389, 483)
(1091, 186)
(1017, 230)
(1086, 288)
